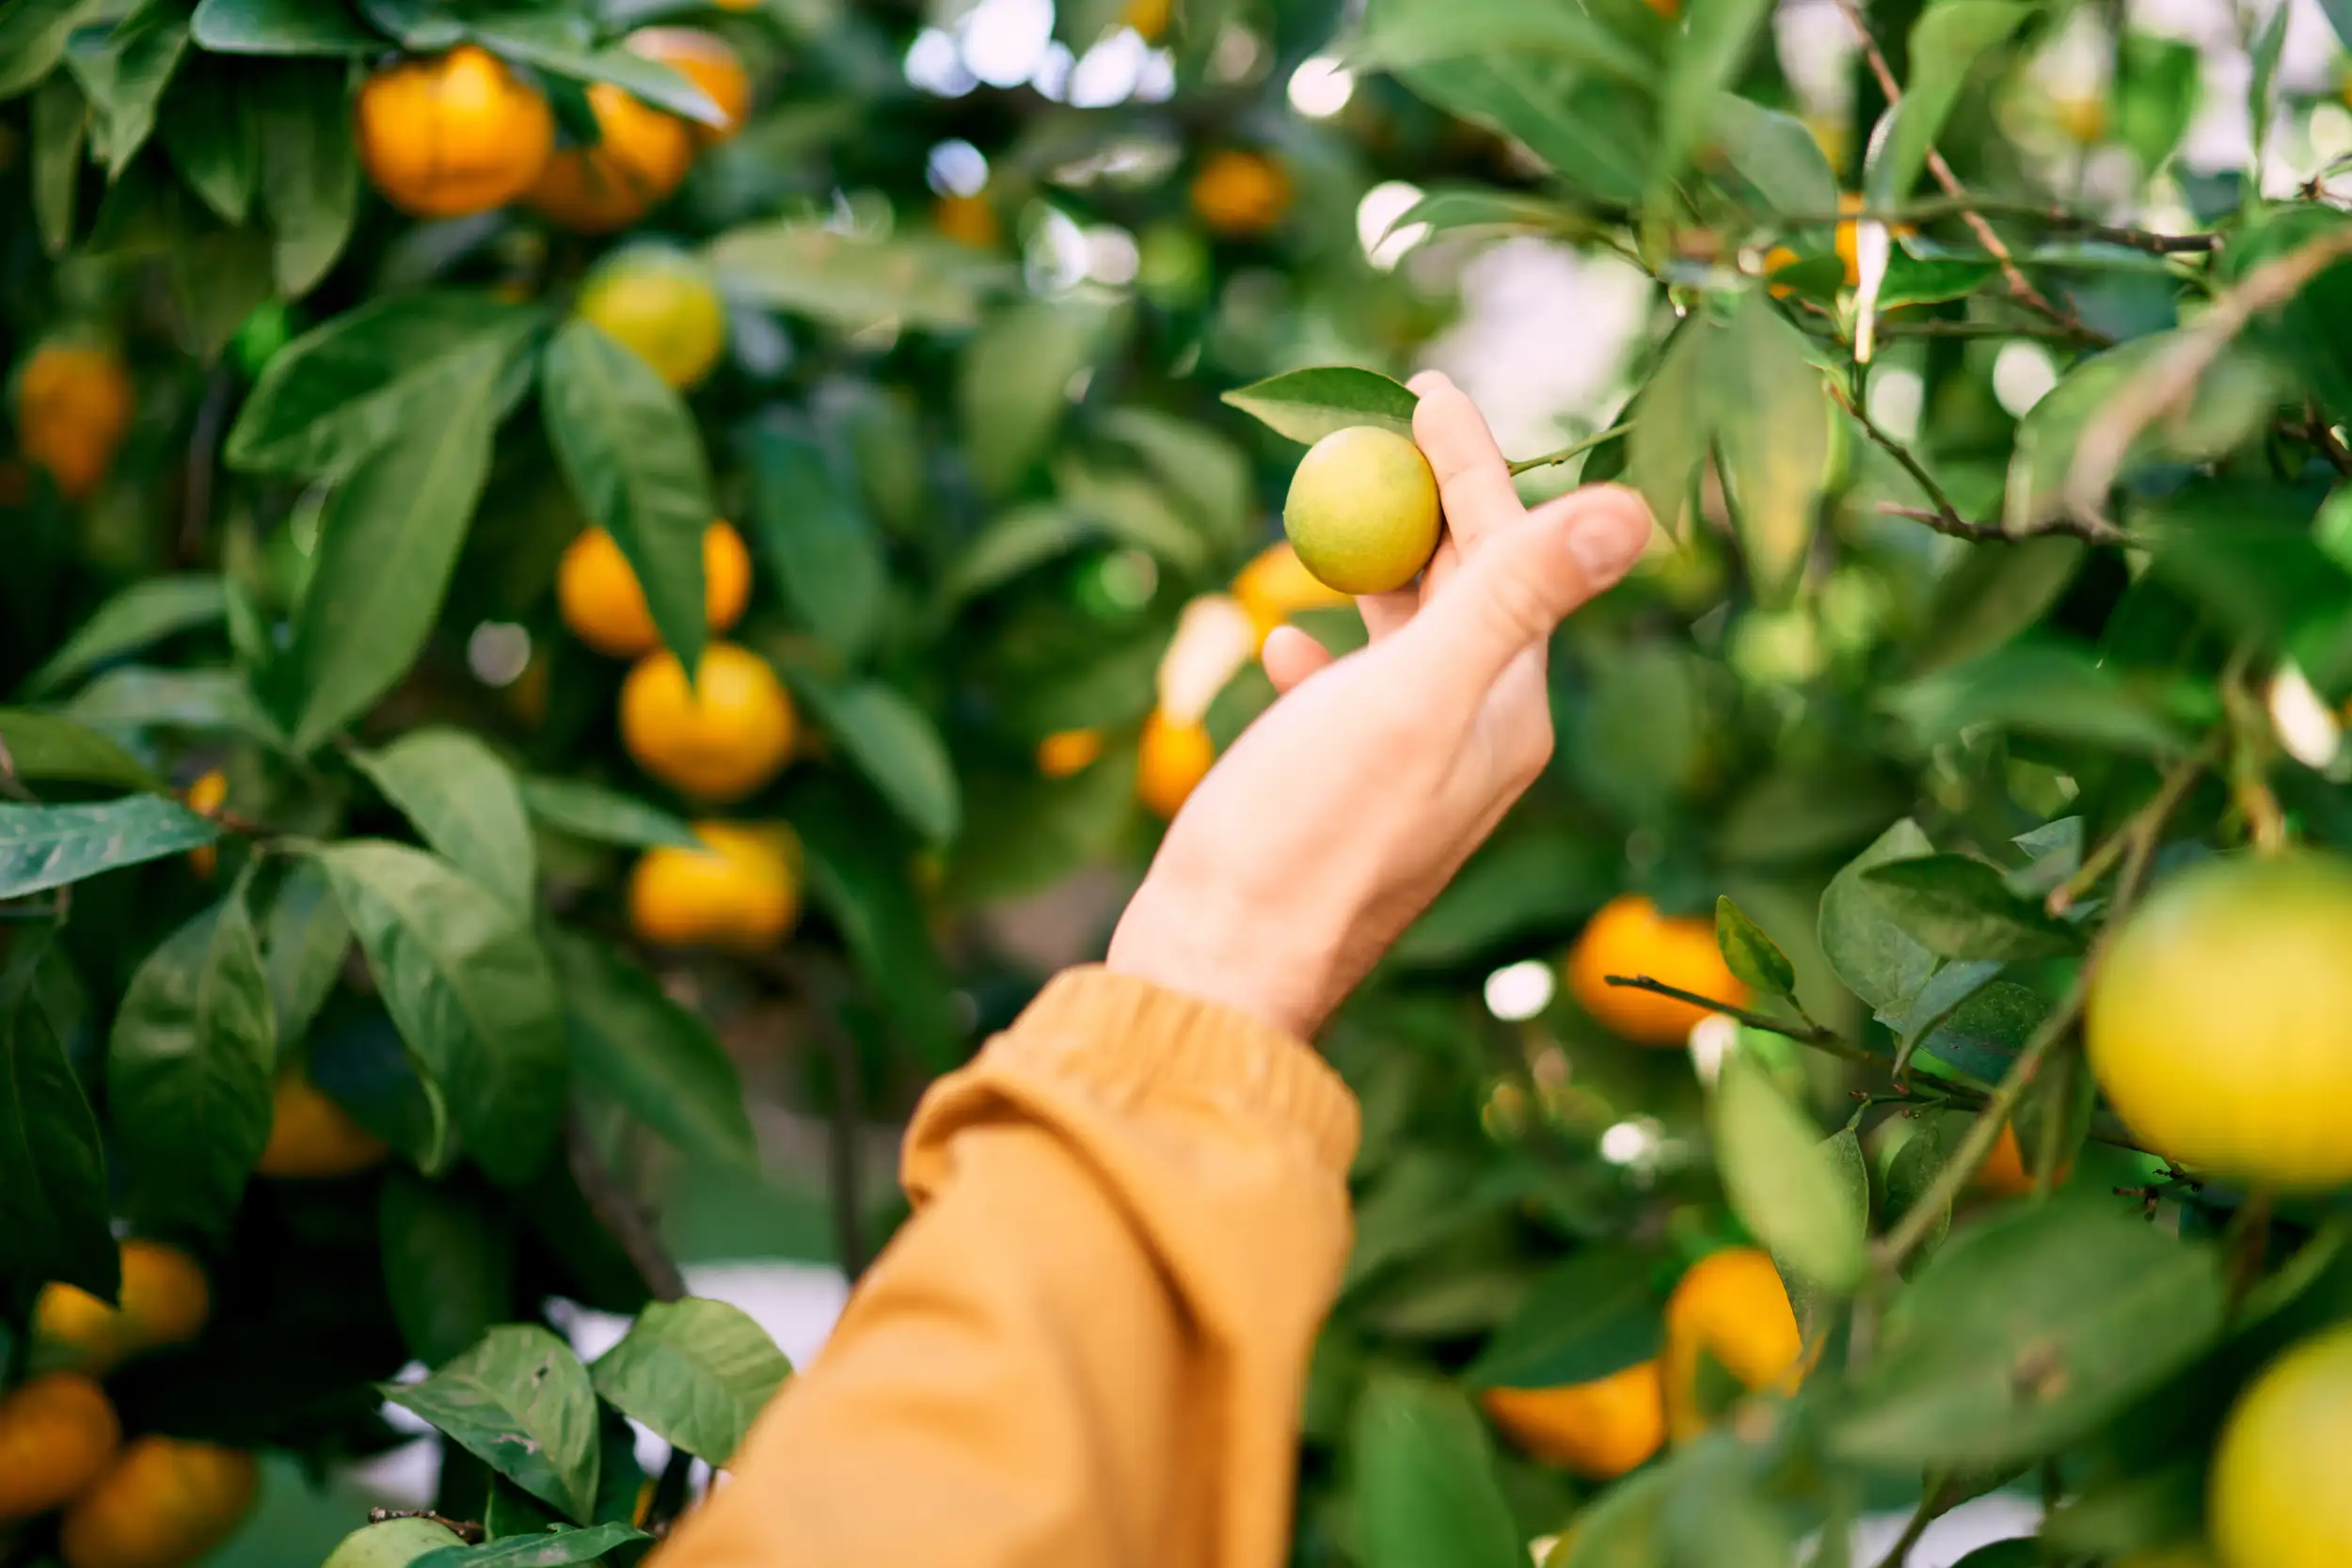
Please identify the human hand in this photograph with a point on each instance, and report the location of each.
(1342, 811)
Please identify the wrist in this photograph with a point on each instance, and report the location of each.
(1188, 944)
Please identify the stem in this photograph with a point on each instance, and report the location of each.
(1574, 448)
(617, 1211)
(1944, 517)
(2047, 214)
(1805, 1034)
(1932, 1507)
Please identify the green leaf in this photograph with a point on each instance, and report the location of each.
(1989, 596)
(363, 379)
(1584, 1319)
(476, 1004)
(1780, 1182)
(894, 744)
(696, 1371)
(53, 1168)
(658, 1061)
(464, 802)
(2245, 552)
(1013, 385)
(209, 128)
(1478, 207)
(217, 281)
(1643, 733)
(1959, 908)
(33, 35)
(2056, 690)
(814, 535)
(46, 846)
(1719, 1512)
(124, 71)
(1708, 54)
(520, 1402)
(1775, 154)
(60, 125)
(2026, 1332)
(1916, 280)
(38, 745)
(1622, 1527)
(1204, 470)
(1511, 889)
(1307, 406)
(847, 282)
(135, 699)
(1771, 417)
(1751, 955)
(1133, 510)
(1023, 538)
(1981, 1034)
(1425, 1490)
(604, 816)
(559, 1549)
(281, 28)
(860, 879)
(1945, 43)
(564, 45)
(388, 543)
(1403, 33)
(310, 170)
(142, 615)
(635, 460)
(304, 941)
(1878, 960)
(188, 1068)
(1595, 132)
(1670, 431)
(1912, 1174)
(449, 1264)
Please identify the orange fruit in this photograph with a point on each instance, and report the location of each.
(641, 153)
(1276, 585)
(1175, 757)
(2004, 1173)
(600, 599)
(1068, 751)
(311, 1137)
(164, 1504)
(720, 738)
(711, 64)
(207, 795)
(1629, 937)
(448, 134)
(2276, 1496)
(57, 1435)
(1598, 1429)
(1149, 18)
(968, 220)
(73, 402)
(1730, 1306)
(1241, 193)
(1363, 510)
(2219, 1024)
(661, 302)
(1778, 257)
(164, 1301)
(743, 890)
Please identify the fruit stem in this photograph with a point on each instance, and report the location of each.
(1574, 448)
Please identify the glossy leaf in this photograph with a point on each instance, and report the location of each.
(1425, 1490)
(636, 461)
(894, 744)
(559, 1549)
(697, 1372)
(46, 846)
(38, 745)
(136, 697)
(464, 981)
(1402, 33)
(2056, 690)
(1595, 132)
(1945, 43)
(851, 284)
(449, 1264)
(1775, 154)
(209, 127)
(188, 1068)
(1772, 418)
(60, 123)
(1959, 908)
(464, 802)
(604, 816)
(1014, 384)
(519, 1402)
(1878, 960)
(656, 1060)
(1581, 1320)
(1307, 406)
(1990, 596)
(1752, 956)
(2025, 1332)
(281, 28)
(310, 170)
(138, 617)
(812, 531)
(1779, 1180)
(1670, 425)
(564, 44)
(388, 543)
(304, 941)
(124, 71)
(53, 1166)
(33, 35)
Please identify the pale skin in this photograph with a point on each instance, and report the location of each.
(1342, 811)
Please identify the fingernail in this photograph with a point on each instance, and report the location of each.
(1608, 539)
(1428, 381)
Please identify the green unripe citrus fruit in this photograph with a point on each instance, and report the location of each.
(2219, 1024)
(661, 302)
(2277, 1496)
(393, 1544)
(1362, 510)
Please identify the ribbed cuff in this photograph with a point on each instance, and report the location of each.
(1133, 1039)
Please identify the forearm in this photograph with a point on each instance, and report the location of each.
(1088, 1346)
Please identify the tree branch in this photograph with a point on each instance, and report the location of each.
(1574, 448)
(2049, 214)
(1804, 1033)
(617, 1211)
(1943, 516)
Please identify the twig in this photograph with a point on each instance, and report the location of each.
(1804, 1033)
(1943, 516)
(465, 1530)
(617, 1211)
(2142, 833)
(2107, 439)
(1933, 1504)
(1574, 448)
(818, 999)
(2047, 214)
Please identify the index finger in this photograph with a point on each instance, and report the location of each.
(1472, 480)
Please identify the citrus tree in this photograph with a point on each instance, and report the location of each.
(540, 534)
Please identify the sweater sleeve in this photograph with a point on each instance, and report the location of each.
(1087, 1347)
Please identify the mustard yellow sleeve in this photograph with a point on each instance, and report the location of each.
(1087, 1347)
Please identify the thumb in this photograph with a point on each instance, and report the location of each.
(1523, 581)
